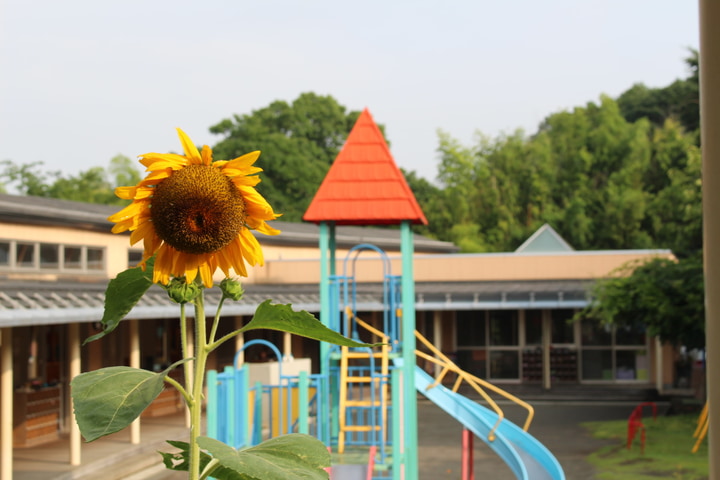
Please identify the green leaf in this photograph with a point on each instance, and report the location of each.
(122, 294)
(180, 462)
(285, 319)
(109, 399)
(288, 457)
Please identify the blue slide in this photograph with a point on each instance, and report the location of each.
(526, 457)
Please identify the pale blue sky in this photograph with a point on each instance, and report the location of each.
(85, 80)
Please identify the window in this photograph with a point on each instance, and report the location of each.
(52, 257)
(503, 327)
(49, 255)
(533, 327)
(610, 353)
(563, 329)
(134, 257)
(25, 255)
(470, 330)
(4, 254)
(95, 258)
(72, 257)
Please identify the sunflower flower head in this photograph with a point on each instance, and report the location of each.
(196, 214)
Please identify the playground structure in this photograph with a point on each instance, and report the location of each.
(363, 403)
(356, 407)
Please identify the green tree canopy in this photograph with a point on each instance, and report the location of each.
(665, 296)
(95, 185)
(299, 142)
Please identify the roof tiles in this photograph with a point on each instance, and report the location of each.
(364, 186)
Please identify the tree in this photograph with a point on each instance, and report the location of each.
(665, 296)
(92, 185)
(299, 142)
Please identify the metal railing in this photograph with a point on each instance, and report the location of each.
(478, 384)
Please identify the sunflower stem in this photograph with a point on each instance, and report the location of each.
(183, 345)
(216, 321)
(224, 339)
(201, 354)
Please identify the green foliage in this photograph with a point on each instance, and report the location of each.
(109, 399)
(293, 456)
(668, 450)
(299, 142)
(122, 294)
(95, 185)
(665, 296)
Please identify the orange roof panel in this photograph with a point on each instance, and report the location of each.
(364, 186)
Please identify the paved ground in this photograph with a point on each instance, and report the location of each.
(556, 424)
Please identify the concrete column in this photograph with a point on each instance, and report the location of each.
(437, 336)
(134, 363)
(710, 131)
(74, 370)
(546, 344)
(6, 414)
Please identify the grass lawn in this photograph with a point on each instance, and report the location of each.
(668, 450)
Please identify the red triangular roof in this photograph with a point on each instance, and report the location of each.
(364, 186)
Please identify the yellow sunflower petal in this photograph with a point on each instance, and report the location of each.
(261, 226)
(234, 172)
(251, 248)
(126, 193)
(155, 161)
(144, 229)
(243, 161)
(256, 204)
(206, 274)
(250, 181)
(233, 254)
(130, 211)
(206, 155)
(191, 151)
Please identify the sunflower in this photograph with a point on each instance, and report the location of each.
(196, 214)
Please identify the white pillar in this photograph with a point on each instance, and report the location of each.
(134, 363)
(74, 370)
(710, 133)
(287, 346)
(6, 415)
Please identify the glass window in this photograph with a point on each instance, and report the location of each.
(597, 364)
(505, 364)
(5, 253)
(72, 257)
(631, 365)
(562, 327)
(594, 333)
(630, 336)
(134, 257)
(473, 361)
(470, 328)
(49, 255)
(95, 259)
(24, 254)
(533, 327)
(503, 327)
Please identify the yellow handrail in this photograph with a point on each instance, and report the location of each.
(475, 382)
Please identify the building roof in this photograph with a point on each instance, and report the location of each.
(86, 216)
(364, 185)
(25, 303)
(545, 239)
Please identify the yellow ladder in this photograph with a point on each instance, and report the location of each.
(377, 385)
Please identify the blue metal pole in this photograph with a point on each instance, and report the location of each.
(408, 346)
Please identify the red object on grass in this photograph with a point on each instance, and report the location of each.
(364, 185)
(635, 424)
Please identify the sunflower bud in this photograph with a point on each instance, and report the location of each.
(231, 289)
(181, 292)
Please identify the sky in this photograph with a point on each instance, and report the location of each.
(82, 81)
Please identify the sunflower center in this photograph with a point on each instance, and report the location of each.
(197, 210)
